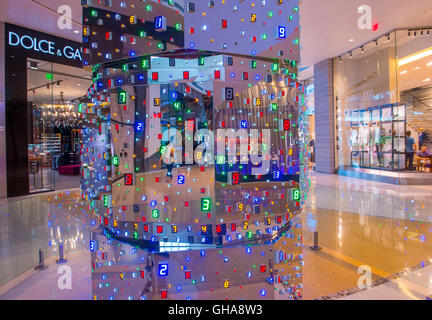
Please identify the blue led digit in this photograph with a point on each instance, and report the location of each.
(163, 269)
(281, 32)
(181, 179)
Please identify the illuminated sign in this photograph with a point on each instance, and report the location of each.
(28, 42)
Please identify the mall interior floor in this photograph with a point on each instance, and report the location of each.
(386, 228)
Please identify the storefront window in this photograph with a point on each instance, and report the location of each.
(414, 49)
(366, 106)
(54, 92)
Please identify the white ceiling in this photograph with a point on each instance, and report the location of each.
(328, 25)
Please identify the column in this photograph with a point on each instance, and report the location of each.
(324, 117)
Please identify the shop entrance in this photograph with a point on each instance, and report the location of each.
(54, 92)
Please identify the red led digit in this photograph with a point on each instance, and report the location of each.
(164, 294)
(235, 178)
(128, 179)
(286, 125)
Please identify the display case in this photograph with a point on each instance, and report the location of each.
(377, 137)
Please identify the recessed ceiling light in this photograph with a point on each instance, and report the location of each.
(429, 64)
(426, 80)
(403, 72)
(76, 31)
(351, 40)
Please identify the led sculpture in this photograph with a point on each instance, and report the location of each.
(205, 90)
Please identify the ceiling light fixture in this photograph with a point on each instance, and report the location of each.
(415, 57)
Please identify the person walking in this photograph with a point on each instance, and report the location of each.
(411, 147)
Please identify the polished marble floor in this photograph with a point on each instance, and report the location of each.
(360, 223)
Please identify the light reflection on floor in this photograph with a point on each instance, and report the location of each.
(367, 234)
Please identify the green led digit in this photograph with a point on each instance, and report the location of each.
(205, 204)
(155, 213)
(296, 195)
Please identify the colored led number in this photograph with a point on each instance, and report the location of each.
(163, 269)
(281, 32)
(106, 201)
(181, 179)
(174, 229)
(145, 64)
(139, 127)
(226, 284)
(122, 97)
(234, 178)
(115, 161)
(296, 194)
(205, 204)
(156, 102)
(128, 179)
(160, 23)
(221, 229)
(290, 151)
(191, 125)
(229, 93)
(240, 207)
(155, 213)
(286, 125)
(164, 294)
(92, 245)
(257, 209)
(245, 225)
(188, 275)
(253, 17)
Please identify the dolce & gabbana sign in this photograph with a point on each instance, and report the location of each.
(30, 43)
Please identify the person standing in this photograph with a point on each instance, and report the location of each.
(410, 150)
(422, 138)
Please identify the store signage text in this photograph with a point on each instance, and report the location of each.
(44, 46)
